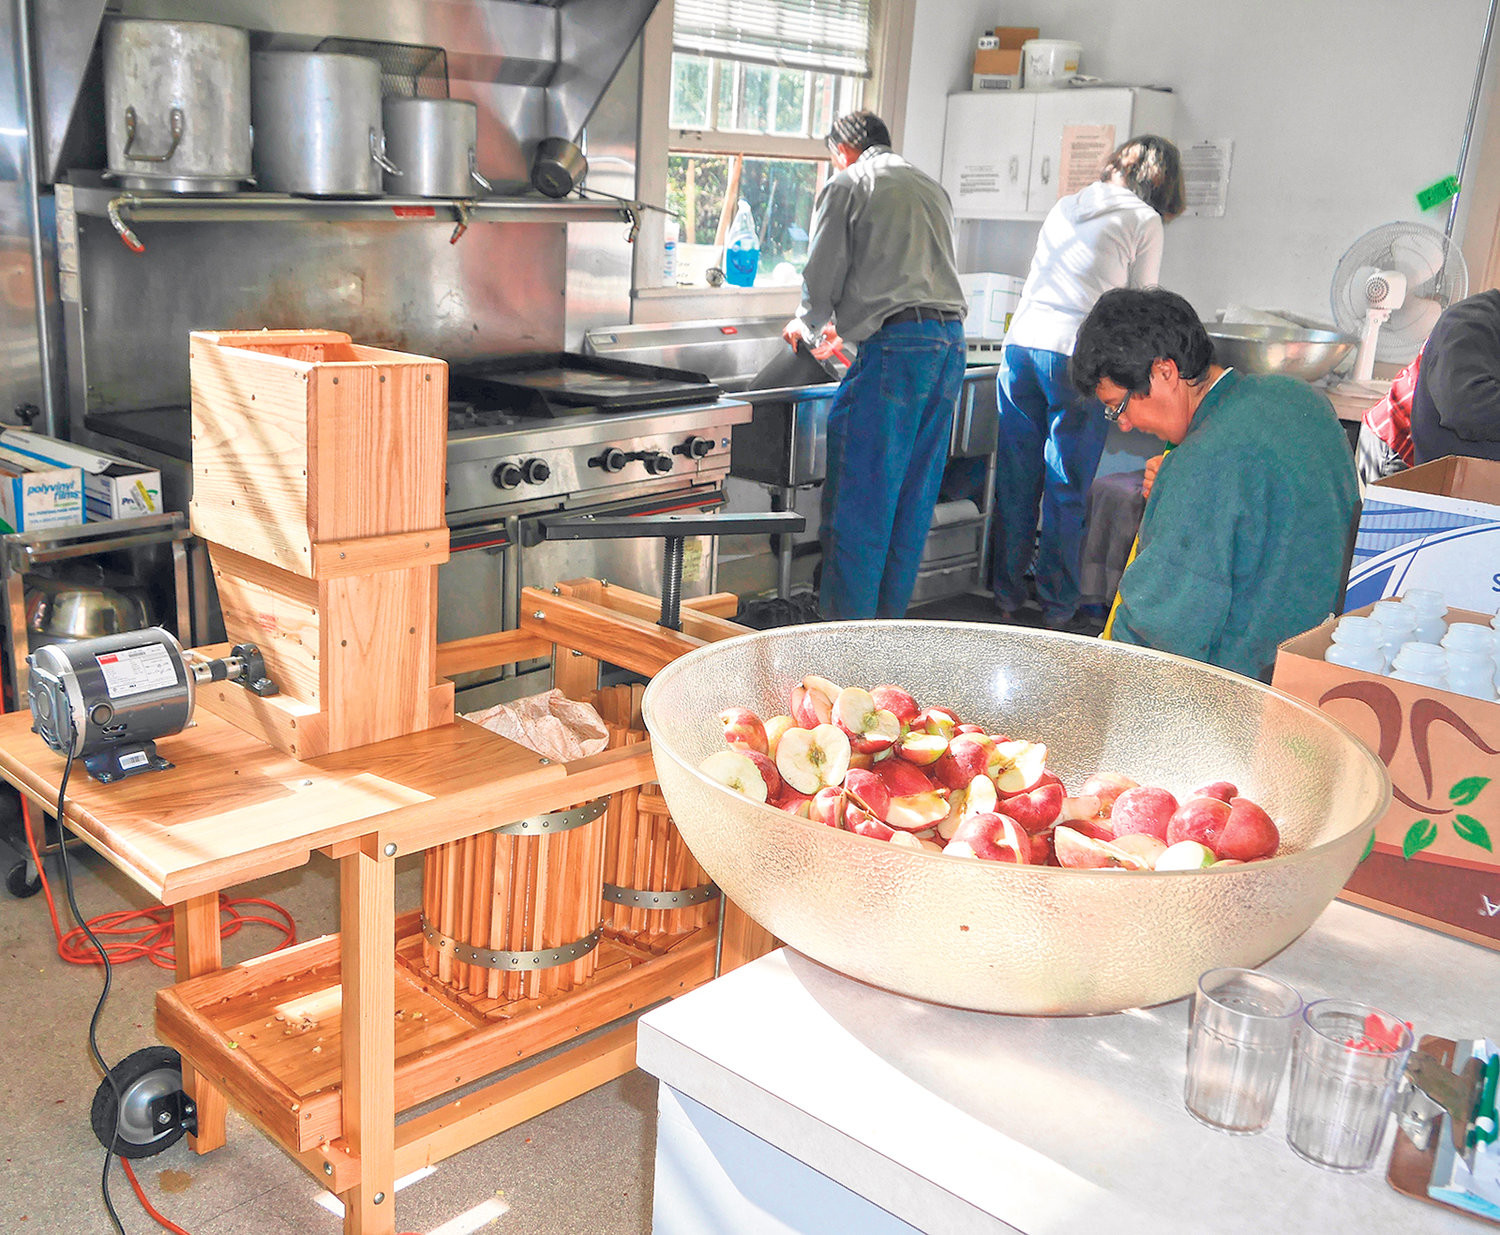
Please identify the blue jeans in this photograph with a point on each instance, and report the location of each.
(888, 432)
(1051, 438)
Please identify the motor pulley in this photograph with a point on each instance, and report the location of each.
(106, 700)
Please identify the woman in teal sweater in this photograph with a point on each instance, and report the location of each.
(1244, 540)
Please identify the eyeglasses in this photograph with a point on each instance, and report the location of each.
(1114, 413)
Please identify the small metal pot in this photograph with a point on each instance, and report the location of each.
(71, 613)
(558, 167)
(177, 105)
(318, 129)
(433, 141)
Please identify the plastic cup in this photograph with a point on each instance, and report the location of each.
(1241, 1036)
(1347, 1065)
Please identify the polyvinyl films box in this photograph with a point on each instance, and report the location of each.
(113, 488)
(1433, 526)
(36, 495)
(1433, 858)
(998, 56)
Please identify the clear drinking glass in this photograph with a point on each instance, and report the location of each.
(1347, 1065)
(1241, 1036)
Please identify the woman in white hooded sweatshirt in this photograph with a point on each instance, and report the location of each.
(1104, 236)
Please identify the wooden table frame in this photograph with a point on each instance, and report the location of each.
(235, 809)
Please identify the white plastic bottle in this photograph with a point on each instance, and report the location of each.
(1399, 622)
(1472, 674)
(1470, 637)
(1425, 664)
(669, 254)
(1358, 643)
(1431, 608)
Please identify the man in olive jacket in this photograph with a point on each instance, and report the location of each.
(1246, 533)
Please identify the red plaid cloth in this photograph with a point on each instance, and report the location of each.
(1390, 419)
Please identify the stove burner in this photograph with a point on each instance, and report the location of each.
(463, 415)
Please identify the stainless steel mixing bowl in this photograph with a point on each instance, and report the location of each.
(1288, 350)
(1000, 938)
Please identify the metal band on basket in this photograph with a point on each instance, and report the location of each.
(646, 898)
(555, 821)
(493, 958)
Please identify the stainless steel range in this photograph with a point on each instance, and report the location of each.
(534, 435)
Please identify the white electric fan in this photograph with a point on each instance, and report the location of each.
(1389, 288)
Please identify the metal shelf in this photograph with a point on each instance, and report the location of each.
(140, 206)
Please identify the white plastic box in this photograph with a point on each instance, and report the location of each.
(113, 488)
(993, 299)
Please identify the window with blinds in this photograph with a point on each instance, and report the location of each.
(756, 86)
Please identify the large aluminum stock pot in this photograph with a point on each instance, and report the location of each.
(177, 105)
(318, 127)
(1001, 938)
(433, 142)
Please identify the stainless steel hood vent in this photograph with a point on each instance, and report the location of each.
(538, 66)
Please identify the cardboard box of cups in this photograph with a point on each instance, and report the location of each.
(997, 59)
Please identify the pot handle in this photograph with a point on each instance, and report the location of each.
(175, 126)
(377, 152)
(474, 173)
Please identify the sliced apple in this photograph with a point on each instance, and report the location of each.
(1036, 809)
(917, 811)
(905, 840)
(994, 837)
(743, 729)
(775, 727)
(894, 699)
(827, 806)
(948, 824)
(980, 797)
(1085, 806)
(736, 771)
(766, 766)
(862, 823)
(870, 728)
(940, 721)
(869, 791)
(812, 702)
(1018, 766)
(812, 759)
(1185, 855)
(922, 749)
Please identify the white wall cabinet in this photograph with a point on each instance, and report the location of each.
(1003, 151)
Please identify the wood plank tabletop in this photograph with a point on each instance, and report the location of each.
(235, 809)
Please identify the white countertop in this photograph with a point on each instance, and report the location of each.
(965, 1121)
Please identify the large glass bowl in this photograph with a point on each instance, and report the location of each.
(1001, 938)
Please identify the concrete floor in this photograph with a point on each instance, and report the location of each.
(584, 1168)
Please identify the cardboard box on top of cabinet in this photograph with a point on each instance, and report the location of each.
(1433, 860)
(997, 59)
(1434, 526)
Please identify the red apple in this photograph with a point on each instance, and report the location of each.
(994, 837)
(827, 806)
(1222, 789)
(862, 823)
(1146, 808)
(812, 702)
(766, 766)
(896, 701)
(869, 728)
(744, 730)
(793, 803)
(1249, 834)
(869, 791)
(1106, 786)
(1036, 810)
(904, 779)
(1199, 819)
(968, 756)
(968, 728)
(941, 721)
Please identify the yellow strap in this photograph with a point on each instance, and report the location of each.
(1109, 622)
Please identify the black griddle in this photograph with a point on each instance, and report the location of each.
(559, 384)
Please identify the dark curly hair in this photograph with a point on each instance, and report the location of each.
(1131, 328)
(1151, 168)
(860, 129)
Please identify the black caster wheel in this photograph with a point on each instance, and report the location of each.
(151, 1112)
(19, 885)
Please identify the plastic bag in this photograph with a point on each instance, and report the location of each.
(742, 248)
(550, 724)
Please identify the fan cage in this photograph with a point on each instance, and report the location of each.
(1403, 335)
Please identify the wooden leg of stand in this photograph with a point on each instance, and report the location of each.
(367, 913)
(744, 939)
(199, 950)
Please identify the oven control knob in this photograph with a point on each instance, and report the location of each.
(535, 471)
(694, 447)
(506, 475)
(658, 463)
(611, 460)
